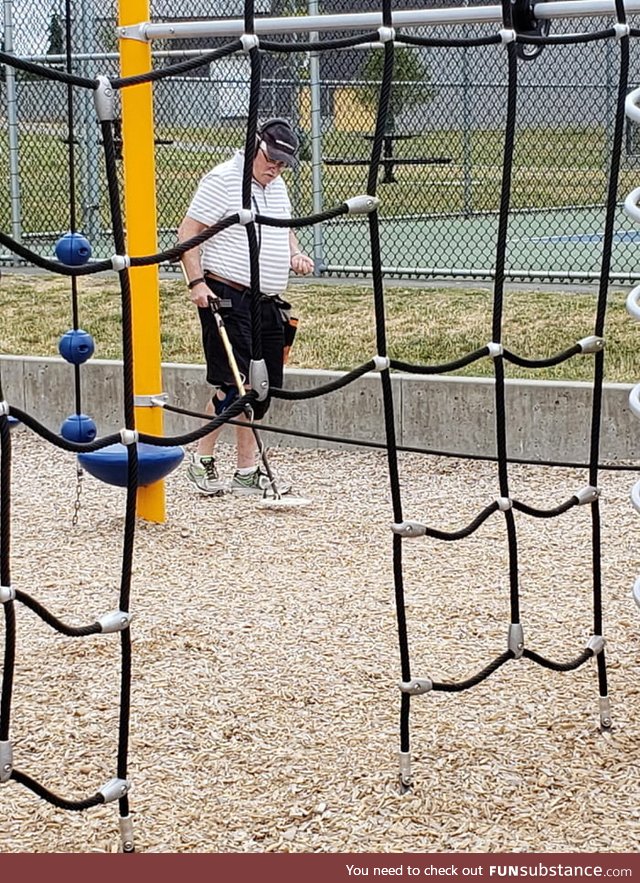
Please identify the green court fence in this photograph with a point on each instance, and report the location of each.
(439, 183)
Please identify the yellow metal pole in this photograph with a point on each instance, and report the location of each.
(141, 223)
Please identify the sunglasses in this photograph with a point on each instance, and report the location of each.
(278, 164)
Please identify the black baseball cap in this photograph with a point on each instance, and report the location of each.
(280, 141)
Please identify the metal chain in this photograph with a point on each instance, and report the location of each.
(76, 507)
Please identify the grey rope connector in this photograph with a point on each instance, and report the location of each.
(409, 529)
(104, 100)
(114, 621)
(416, 686)
(6, 761)
(114, 789)
(516, 639)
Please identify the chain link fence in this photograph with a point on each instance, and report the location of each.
(440, 179)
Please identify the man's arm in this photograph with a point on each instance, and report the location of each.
(301, 263)
(200, 293)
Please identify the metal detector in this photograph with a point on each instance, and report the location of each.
(272, 498)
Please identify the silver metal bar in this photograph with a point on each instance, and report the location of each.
(356, 21)
(316, 149)
(12, 126)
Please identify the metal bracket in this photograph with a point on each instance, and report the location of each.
(114, 789)
(134, 32)
(126, 834)
(605, 712)
(404, 759)
(6, 761)
(416, 686)
(157, 400)
(409, 529)
(259, 378)
(114, 621)
(516, 639)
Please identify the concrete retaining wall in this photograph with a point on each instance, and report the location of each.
(546, 420)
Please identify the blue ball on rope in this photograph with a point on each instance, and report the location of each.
(79, 428)
(76, 346)
(73, 249)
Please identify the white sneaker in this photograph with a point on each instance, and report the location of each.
(202, 472)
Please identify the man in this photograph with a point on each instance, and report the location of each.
(221, 269)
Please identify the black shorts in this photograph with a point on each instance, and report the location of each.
(236, 315)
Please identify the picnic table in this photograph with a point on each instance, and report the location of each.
(389, 160)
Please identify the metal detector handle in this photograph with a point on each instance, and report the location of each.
(224, 337)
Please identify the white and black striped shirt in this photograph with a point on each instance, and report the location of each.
(226, 254)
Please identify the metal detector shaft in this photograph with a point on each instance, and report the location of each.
(224, 337)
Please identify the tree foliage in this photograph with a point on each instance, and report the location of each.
(411, 84)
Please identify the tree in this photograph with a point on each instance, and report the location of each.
(410, 87)
(56, 35)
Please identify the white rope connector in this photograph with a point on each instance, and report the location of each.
(381, 363)
(120, 262)
(495, 349)
(103, 99)
(588, 494)
(631, 202)
(636, 591)
(7, 593)
(246, 216)
(385, 35)
(631, 107)
(249, 42)
(595, 644)
(635, 496)
(361, 205)
(504, 504)
(632, 305)
(507, 35)
(634, 399)
(129, 436)
(4, 409)
(591, 344)
(114, 621)
(622, 30)
(114, 789)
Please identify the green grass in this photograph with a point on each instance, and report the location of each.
(425, 325)
(559, 167)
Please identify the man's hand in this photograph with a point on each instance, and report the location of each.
(301, 264)
(200, 295)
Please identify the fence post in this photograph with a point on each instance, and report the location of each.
(141, 224)
(91, 157)
(316, 147)
(12, 126)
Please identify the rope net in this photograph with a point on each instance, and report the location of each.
(509, 41)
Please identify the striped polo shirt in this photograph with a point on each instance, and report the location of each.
(226, 254)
